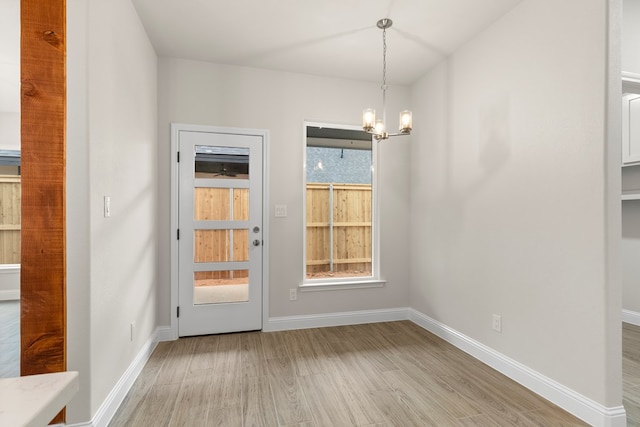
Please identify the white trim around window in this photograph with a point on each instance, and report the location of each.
(341, 283)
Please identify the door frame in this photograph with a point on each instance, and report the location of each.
(176, 128)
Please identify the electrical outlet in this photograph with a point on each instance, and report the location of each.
(497, 323)
(293, 294)
(133, 330)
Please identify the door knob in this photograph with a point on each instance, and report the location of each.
(256, 242)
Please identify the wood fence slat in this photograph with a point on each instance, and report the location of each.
(351, 218)
(10, 201)
(350, 222)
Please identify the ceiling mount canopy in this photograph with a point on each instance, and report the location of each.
(378, 128)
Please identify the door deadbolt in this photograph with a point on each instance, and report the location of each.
(256, 242)
(256, 229)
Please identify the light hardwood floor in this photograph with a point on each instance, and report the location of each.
(384, 374)
(631, 372)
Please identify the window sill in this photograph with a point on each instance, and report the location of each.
(337, 286)
(9, 268)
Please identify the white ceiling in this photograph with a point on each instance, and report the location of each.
(336, 38)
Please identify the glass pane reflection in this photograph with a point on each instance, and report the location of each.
(221, 162)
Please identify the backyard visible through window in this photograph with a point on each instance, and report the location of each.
(10, 200)
(338, 204)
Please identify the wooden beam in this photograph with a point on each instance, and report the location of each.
(43, 129)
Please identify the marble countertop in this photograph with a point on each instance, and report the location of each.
(34, 400)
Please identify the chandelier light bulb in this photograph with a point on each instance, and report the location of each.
(368, 119)
(406, 121)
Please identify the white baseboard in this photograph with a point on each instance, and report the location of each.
(632, 317)
(165, 333)
(564, 397)
(335, 319)
(10, 295)
(111, 404)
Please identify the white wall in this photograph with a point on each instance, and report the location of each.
(112, 262)
(209, 94)
(631, 37)
(78, 217)
(508, 199)
(9, 131)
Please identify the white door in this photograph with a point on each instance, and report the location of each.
(220, 232)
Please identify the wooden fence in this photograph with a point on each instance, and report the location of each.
(221, 204)
(10, 200)
(338, 228)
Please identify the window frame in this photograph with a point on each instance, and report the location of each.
(343, 282)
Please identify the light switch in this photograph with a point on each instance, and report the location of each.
(107, 206)
(281, 211)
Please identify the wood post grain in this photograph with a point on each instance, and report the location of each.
(43, 128)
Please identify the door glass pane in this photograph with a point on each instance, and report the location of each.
(211, 204)
(240, 245)
(211, 245)
(240, 204)
(216, 287)
(215, 245)
(221, 162)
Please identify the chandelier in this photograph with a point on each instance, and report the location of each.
(378, 128)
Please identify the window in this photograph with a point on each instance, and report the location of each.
(10, 210)
(339, 205)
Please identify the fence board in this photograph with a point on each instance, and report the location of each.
(214, 204)
(10, 200)
(350, 223)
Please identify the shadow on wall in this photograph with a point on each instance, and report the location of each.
(462, 162)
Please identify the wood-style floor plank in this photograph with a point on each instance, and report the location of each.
(359, 371)
(349, 383)
(631, 373)
(258, 407)
(253, 362)
(226, 378)
(224, 417)
(325, 401)
(192, 401)
(291, 405)
(386, 374)
(157, 406)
